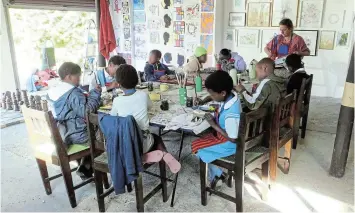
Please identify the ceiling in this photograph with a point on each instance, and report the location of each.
(82, 5)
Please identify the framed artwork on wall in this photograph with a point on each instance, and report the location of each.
(327, 40)
(258, 14)
(267, 36)
(311, 13)
(248, 38)
(310, 37)
(334, 13)
(236, 19)
(284, 9)
(343, 38)
(239, 5)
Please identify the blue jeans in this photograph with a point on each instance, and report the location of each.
(213, 171)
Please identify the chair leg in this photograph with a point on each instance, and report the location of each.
(230, 179)
(42, 166)
(304, 125)
(129, 187)
(68, 180)
(239, 190)
(163, 180)
(273, 164)
(287, 155)
(138, 186)
(105, 180)
(98, 177)
(203, 179)
(265, 179)
(295, 133)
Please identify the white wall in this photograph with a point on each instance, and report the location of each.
(7, 78)
(329, 67)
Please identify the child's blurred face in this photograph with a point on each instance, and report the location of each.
(223, 57)
(73, 79)
(202, 59)
(261, 71)
(153, 58)
(219, 97)
(112, 69)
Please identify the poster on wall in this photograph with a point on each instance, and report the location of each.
(138, 4)
(152, 8)
(248, 38)
(179, 13)
(311, 13)
(192, 12)
(179, 27)
(192, 29)
(167, 19)
(343, 39)
(310, 37)
(207, 42)
(166, 4)
(258, 14)
(327, 40)
(267, 36)
(236, 19)
(138, 16)
(239, 5)
(178, 40)
(207, 5)
(284, 9)
(334, 14)
(207, 20)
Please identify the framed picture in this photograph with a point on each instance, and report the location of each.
(284, 9)
(267, 36)
(229, 36)
(311, 13)
(258, 14)
(327, 40)
(310, 37)
(343, 39)
(236, 19)
(248, 38)
(334, 13)
(239, 5)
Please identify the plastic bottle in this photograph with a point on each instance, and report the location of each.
(198, 82)
(233, 75)
(252, 71)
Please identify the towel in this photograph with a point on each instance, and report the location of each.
(107, 41)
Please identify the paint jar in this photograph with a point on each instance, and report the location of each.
(198, 84)
(182, 96)
(164, 105)
(150, 86)
(189, 102)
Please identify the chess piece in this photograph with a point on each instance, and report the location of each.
(32, 102)
(44, 105)
(38, 103)
(16, 106)
(18, 95)
(9, 103)
(25, 98)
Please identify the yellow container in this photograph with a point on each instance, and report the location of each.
(164, 87)
(154, 96)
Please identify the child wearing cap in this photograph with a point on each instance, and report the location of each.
(195, 62)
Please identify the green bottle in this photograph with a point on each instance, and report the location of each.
(198, 83)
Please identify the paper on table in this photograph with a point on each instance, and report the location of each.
(184, 121)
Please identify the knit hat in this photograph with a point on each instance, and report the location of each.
(199, 51)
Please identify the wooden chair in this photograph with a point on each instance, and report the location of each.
(302, 108)
(100, 166)
(49, 147)
(252, 151)
(283, 124)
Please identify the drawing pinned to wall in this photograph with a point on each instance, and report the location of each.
(126, 21)
(310, 37)
(155, 24)
(127, 45)
(327, 40)
(140, 54)
(125, 4)
(154, 37)
(127, 57)
(207, 23)
(190, 47)
(179, 27)
(343, 39)
(284, 9)
(258, 14)
(178, 40)
(167, 58)
(167, 20)
(180, 60)
(239, 5)
(139, 41)
(207, 42)
(153, 10)
(138, 4)
(178, 1)
(125, 10)
(267, 36)
(207, 5)
(334, 14)
(138, 16)
(311, 13)
(192, 12)
(166, 37)
(191, 28)
(166, 4)
(179, 13)
(229, 36)
(139, 28)
(116, 7)
(248, 38)
(127, 33)
(236, 19)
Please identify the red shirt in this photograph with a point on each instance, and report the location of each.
(296, 44)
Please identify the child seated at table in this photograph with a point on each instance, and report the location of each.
(294, 65)
(137, 103)
(194, 63)
(225, 123)
(231, 60)
(70, 107)
(270, 88)
(154, 70)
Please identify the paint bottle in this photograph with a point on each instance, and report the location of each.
(233, 75)
(252, 69)
(198, 83)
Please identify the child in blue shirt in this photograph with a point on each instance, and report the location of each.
(154, 70)
(225, 123)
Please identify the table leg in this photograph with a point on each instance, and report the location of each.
(177, 175)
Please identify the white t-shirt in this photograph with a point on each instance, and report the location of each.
(136, 105)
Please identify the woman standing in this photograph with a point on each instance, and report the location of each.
(286, 43)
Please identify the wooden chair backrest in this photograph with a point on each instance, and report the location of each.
(300, 97)
(284, 111)
(308, 90)
(96, 137)
(254, 129)
(42, 129)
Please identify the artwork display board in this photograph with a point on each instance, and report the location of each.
(310, 37)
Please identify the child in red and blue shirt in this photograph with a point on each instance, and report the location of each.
(154, 70)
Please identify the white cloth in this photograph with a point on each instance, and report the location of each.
(136, 105)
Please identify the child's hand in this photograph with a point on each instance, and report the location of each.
(239, 88)
(164, 78)
(98, 88)
(210, 119)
